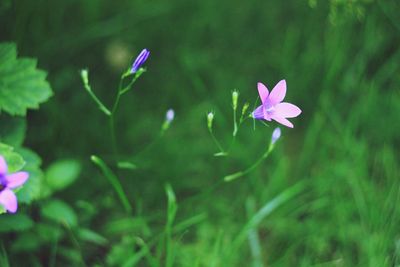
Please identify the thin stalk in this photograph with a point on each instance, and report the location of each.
(222, 151)
(101, 106)
(115, 183)
(115, 106)
(236, 175)
(235, 125)
(76, 243)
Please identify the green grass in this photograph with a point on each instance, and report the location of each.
(326, 196)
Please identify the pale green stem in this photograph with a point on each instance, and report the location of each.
(101, 106)
(115, 183)
(235, 125)
(236, 175)
(222, 151)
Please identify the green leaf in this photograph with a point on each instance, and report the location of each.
(22, 85)
(32, 189)
(15, 162)
(91, 236)
(60, 211)
(126, 165)
(62, 173)
(12, 130)
(26, 242)
(15, 222)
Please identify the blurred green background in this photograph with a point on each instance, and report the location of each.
(327, 196)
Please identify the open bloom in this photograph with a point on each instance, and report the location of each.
(139, 61)
(273, 108)
(8, 182)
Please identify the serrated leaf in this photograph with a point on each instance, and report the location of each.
(15, 162)
(62, 173)
(22, 85)
(60, 211)
(32, 189)
(15, 222)
(12, 130)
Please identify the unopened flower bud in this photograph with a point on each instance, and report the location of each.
(235, 96)
(140, 60)
(276, 134)
(245, 107)
(169, 117)
(210, 118)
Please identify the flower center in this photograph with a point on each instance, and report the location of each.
(270, 109)
(3, 182)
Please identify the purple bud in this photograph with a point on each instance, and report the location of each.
(276, 134)
(139, 61)
(170, 115)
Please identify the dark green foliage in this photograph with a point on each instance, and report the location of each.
(327, 196)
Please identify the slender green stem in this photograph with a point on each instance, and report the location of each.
(236, 175)
(129, 86)
(115, 183)
(222, 151)
(101, 106)
(121, 90)
(171, 213)
(112, 122)
(113, 139)
(53, 254)
(76, 243)
(235, 125)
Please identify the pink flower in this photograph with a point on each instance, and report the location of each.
(272, 106)
(8, 199)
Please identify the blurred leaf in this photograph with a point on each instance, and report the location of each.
(91, 236)
(12, 130)
(25, 242)
(4, 258)
(62, 173)
(121, 251)
(126, 165)
(32, 189)
(15, 162)
(22, 86)
(127, 225)
(15, 222)
(72, 255)
(59, 211)
(48, 232)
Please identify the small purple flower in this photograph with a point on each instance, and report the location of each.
(272, 106)
(276, 134)
(139, 61)
(7, 182)
(170, 115)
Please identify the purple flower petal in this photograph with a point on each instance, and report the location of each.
(287, 110)
(263, 92)
(139, 61)
(9, 200)
(258, 113)
(3, 166)
(16, 179)
(282, 121)
(278, 93)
